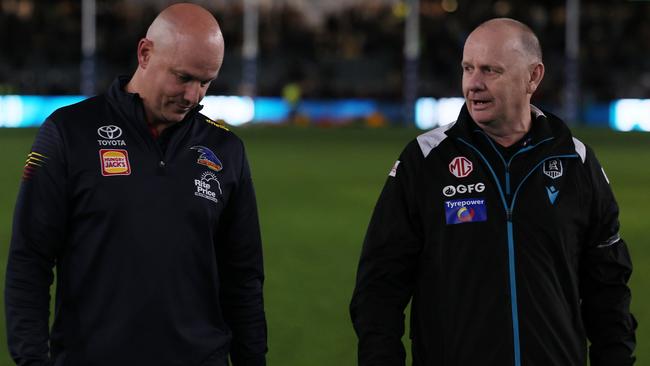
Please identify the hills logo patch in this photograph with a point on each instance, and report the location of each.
(205, 189)
(114, 162)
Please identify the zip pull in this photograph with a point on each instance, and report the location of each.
(508, 215)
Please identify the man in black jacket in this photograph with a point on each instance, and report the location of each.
(146, 208)
(502, 231)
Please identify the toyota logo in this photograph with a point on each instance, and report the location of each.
(109, 132)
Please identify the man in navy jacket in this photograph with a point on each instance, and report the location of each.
(146, 208)
(502, 231)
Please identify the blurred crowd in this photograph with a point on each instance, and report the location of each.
(355, 50)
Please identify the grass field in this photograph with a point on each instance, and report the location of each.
(316, 189)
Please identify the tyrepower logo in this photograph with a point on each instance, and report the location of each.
(451, 191)
(114, 162)
(460, 167)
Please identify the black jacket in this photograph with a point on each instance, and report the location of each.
(156, 243)
(508, 260)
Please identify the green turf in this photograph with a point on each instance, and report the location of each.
(316, 189)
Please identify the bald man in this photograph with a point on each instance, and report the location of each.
(146, 208)
(501, 229)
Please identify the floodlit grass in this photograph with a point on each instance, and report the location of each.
(316, 189)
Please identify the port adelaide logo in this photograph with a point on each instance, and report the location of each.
(110, 135)
(553, 168)
(460, 167)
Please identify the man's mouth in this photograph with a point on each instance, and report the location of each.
(479, 103)
(183, 108)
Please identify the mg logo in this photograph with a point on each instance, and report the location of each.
(110, 132)
(460, 167)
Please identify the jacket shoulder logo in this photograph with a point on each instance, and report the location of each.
(460, 167)
(208, 158)
(553, 168)
(109, 132)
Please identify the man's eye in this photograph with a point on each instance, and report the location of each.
(183, 78)
(491, 71)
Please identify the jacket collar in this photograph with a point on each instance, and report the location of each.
(129, 105)
(545, 127)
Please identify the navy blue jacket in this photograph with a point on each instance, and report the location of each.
(507, 260)
(156, 244)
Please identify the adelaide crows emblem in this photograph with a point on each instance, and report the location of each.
(208, 158)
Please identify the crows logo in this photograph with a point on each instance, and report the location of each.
(208, 158)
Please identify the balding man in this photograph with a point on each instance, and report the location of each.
(502, 231)
(147, 210)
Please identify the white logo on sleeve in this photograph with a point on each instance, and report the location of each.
(393, 170)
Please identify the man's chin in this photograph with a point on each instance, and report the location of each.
(482, 118)
(175, 116)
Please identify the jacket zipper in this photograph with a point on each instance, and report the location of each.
(509, 227)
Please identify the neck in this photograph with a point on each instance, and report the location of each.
(133, 87)
(507, 134)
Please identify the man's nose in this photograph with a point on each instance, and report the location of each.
(193, 93)
(476, 81)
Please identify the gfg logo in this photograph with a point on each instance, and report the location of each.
(451, 191)
(110, 132)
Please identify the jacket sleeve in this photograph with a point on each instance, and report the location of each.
(38, 233)
(239, 257)
(605, 269)
(387, 269)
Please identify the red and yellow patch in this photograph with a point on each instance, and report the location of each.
(114, 162)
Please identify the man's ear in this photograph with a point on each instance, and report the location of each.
(536, 76)
(145, 49)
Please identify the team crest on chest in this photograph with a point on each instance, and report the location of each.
(208, 158)
(553, 168)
